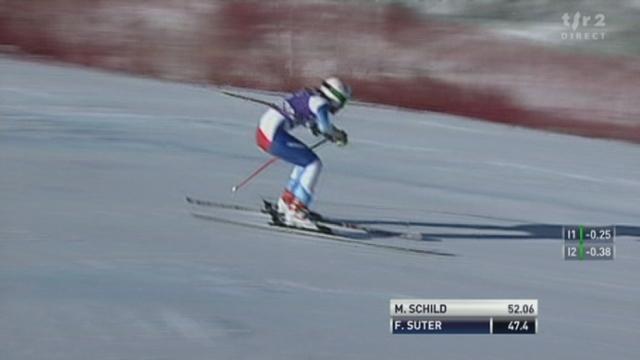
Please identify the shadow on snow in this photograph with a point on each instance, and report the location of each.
(438, 231)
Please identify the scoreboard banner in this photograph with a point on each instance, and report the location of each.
(589, 242)
(469, 316)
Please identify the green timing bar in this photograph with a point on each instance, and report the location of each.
(581, 244)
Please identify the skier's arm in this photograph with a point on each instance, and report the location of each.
(323, 121)
(327, 129)
(320, 108)
(323, 125)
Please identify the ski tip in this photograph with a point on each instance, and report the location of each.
(267, 205)
(234, 189)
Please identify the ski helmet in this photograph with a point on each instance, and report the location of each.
(336, 91)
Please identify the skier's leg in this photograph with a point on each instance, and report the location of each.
(305, 187)
(294, 178)
(299, 192)
(301, 186)
(287, 197)
(271, 124)
(307, 164)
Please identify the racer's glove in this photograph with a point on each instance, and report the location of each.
(339, 137)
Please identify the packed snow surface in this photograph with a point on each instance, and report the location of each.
(100, 257)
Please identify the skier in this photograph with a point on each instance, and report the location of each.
(310, 108)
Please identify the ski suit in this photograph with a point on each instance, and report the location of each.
(303, 108)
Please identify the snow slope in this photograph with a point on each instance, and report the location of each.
(100, 258)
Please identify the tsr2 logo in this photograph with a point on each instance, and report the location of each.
(583, 27)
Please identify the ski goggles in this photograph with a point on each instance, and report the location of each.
(343, 99)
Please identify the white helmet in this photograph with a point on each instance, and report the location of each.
(336, 91)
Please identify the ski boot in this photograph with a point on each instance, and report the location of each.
(284, 202)
(294, 213)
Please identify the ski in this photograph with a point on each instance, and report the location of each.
(270, 210)
(266, 222)
(319, 235)
(209, 203)
(316, 217)
(275, 228)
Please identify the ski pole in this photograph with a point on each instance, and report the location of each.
(266, 165)
(252, 99)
